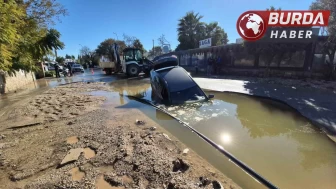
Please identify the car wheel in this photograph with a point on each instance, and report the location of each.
(133, 70)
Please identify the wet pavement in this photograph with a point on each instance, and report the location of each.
(44, 84)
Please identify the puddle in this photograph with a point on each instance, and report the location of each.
(89, 153)
(76, 174)
(102, 184)
(270, 137)
(72, 140)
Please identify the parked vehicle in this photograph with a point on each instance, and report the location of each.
(77, 68)
(172, 84)
(51, 67)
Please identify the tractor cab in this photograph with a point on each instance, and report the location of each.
(132, 54)
(133, 62)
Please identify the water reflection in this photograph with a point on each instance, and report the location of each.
(139, 88)
(226, 138)
(269, 136)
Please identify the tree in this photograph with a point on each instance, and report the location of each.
(216, 33)
(89, 56)
(329, 46)
(105, 48)
(73, 57)
(10, 12)
(60, 59)
(271, 52)
(157, 52)
(191, 30)
(67, 56)
(122, 46)
(138, 44)
(52, 41)
(23, 31)
(272, 8)
(45, 12)
(129, 40)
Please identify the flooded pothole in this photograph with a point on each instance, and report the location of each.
(89, 153)
(72, 140)
(76, 174)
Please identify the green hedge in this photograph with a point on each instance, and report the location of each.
(50, 73)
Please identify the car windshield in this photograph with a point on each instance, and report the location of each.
(76, 65)
(187, 95)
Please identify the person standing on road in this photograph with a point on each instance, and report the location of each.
(57, 70)
(70, 69)
(209, 66)
(218, 65)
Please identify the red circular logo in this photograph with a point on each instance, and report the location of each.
(251, 26)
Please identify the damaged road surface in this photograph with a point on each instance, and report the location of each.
(67, 138)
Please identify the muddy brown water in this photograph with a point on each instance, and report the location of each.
(72, 140)
(268, 136)
(89, 153)
(76, 174)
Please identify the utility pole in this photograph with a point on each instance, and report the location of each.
(153, 48)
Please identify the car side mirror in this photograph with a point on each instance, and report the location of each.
(211, 96)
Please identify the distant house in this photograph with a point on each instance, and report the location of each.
(69, 60)
(239, 41)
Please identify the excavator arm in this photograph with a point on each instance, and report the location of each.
(117, 56)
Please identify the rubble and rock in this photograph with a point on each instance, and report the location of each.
(72, 156)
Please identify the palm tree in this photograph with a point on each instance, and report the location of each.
(52, 41)
(190, 29)
(217, 34)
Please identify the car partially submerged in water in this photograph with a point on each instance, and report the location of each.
(172, 84)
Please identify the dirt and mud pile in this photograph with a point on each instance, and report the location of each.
(63, 138)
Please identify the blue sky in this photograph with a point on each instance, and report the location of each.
(91, 21)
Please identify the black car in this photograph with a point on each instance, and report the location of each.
(172, 84)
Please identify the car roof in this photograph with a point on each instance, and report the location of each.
(177, 79)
